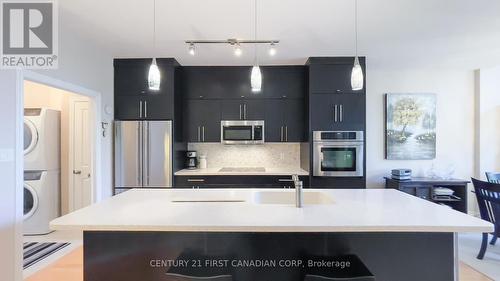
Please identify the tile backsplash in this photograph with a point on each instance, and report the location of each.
(269, 155)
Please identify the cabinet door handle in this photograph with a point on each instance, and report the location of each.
(281, 133)
(199, 138)
(245, 111)
(145, 109)
(140, 109)
(341, 112)
(286, 133)
(335, 119)
(203, 133)
(195, 180)
(240, 113)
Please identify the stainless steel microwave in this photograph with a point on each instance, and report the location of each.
(242, 132)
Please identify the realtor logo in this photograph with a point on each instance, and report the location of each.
(29, 34)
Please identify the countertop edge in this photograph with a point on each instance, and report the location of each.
(283, 229)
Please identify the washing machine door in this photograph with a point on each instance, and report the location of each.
(30, 136)
(30, 201)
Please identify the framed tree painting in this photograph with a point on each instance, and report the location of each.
(410, 127)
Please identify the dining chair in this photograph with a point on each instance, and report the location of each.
(493, 177)
(488, 199)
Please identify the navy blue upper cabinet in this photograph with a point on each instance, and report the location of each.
(337, 112)
(283, 81)
(233, 82)
(202, 121)
(285, 120)
(134, 100)
(215, 82)
(332, 75)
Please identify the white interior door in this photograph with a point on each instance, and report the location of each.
(81, 182)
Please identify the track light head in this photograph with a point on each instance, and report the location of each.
(272, 49)
(237, 50)
(192, 49)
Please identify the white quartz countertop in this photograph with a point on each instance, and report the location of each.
(266, 172)
(370, 210)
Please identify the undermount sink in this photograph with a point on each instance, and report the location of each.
(288, 198)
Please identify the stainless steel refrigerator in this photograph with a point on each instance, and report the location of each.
(143, 154)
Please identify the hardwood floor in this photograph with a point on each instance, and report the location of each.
(67, 268)
(70, 268)
(468, 273)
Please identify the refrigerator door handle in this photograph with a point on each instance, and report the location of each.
(139, 153)
(148, 150)
(140, 109)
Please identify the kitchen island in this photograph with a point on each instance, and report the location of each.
(146, 234)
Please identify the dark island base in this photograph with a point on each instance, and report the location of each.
(152, 256)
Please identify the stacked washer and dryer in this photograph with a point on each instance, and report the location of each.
(41, 169)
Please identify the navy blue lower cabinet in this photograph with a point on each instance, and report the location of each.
(236, 181)
(277, 256)
(346, 267)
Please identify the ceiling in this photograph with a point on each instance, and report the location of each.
(454, 32)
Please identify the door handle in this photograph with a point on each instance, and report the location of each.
(245, 111)
(195, 180)
(199, 134)
(286, 133)
(203, 133)
(77, 172)
(341, 113)
(240, 113)
(281, 133)
(145, 109)
(140, 109)
(335, 119)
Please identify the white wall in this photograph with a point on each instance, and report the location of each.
(82, 63)
(455, 117)
(10, 219)
(488, 120)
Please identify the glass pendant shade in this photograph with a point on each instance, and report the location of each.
(154, 76)
(357, 79)
(256, 79)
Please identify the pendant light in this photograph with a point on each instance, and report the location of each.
(154, 73)
(256, 75)
(357, 79)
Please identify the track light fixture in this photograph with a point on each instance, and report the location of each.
(235, 43)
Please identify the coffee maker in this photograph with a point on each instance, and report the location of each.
(191, 160)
